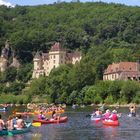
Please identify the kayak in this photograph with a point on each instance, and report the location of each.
(61, 120)
(15, 131)
(110, 122)
(50, 112)
(24, 113)
(94, 118)
(3, 109)
(59, 111)
(131, 115)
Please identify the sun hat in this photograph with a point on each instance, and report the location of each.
(107, 111)
(114, 111)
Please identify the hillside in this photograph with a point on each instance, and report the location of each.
(105, 33)
(76, 25)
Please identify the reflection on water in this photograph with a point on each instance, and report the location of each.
(80, 127)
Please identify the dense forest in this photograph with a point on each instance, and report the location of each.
(104, 33)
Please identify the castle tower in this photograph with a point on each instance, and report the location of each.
(56, 56)
(38, 66)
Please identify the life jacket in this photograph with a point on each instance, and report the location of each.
(114, 117)
(106, 115)
(39, 117)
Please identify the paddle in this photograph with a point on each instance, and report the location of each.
(36, 124)
(88, 115)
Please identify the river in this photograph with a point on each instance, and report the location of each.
(80, 127)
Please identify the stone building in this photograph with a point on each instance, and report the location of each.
(45, 62)
(122, 71)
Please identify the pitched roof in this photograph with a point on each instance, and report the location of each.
(76, 54)
(122, 66)
(37, 55)
(56, 47)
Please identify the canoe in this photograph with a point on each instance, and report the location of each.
(131, 115)
(94, 118)
(3, 109)
(24, 113)
(59, 111)
(61, 120)
(15, 131)
(110, 122)
(49, 113)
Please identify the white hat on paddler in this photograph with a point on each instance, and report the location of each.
(107, 111)
(114, 111)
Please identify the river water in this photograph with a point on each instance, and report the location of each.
(80, 127)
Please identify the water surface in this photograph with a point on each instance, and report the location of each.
(80, 127)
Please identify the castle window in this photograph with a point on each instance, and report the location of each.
(134, 78)
(129, 78)
(54, 61)
(54, 66)
(54, 56)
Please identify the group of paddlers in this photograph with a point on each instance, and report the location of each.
(108, 115)
(52, 112)
(13, 122)
(46, 110)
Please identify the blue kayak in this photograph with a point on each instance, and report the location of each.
(15, 131)
(3, 109)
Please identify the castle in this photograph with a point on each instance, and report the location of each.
(6, 54)
(45, 62)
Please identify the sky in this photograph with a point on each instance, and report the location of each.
(12, 3)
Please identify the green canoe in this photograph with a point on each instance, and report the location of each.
(14, 132)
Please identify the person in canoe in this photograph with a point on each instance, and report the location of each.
(55, 116)
(20, 123)
(14, 120)
(132, 110)
(113, 116)
(2, 124)
(107, 114)
(41, 116)
(97, 113)
(10, 125)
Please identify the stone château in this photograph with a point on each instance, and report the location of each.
(45, 62)
(122, 71)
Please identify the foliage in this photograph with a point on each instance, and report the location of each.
(104, 33)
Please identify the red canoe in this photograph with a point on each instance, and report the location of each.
(61, 120)
(110, 123)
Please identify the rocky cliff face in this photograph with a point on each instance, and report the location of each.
(6, 56)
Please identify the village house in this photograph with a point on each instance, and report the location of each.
(122, 71)
(45, 62)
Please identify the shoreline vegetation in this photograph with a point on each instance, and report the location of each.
(82, 106)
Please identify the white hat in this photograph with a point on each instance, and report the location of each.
(107, 111)
(114, 111)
